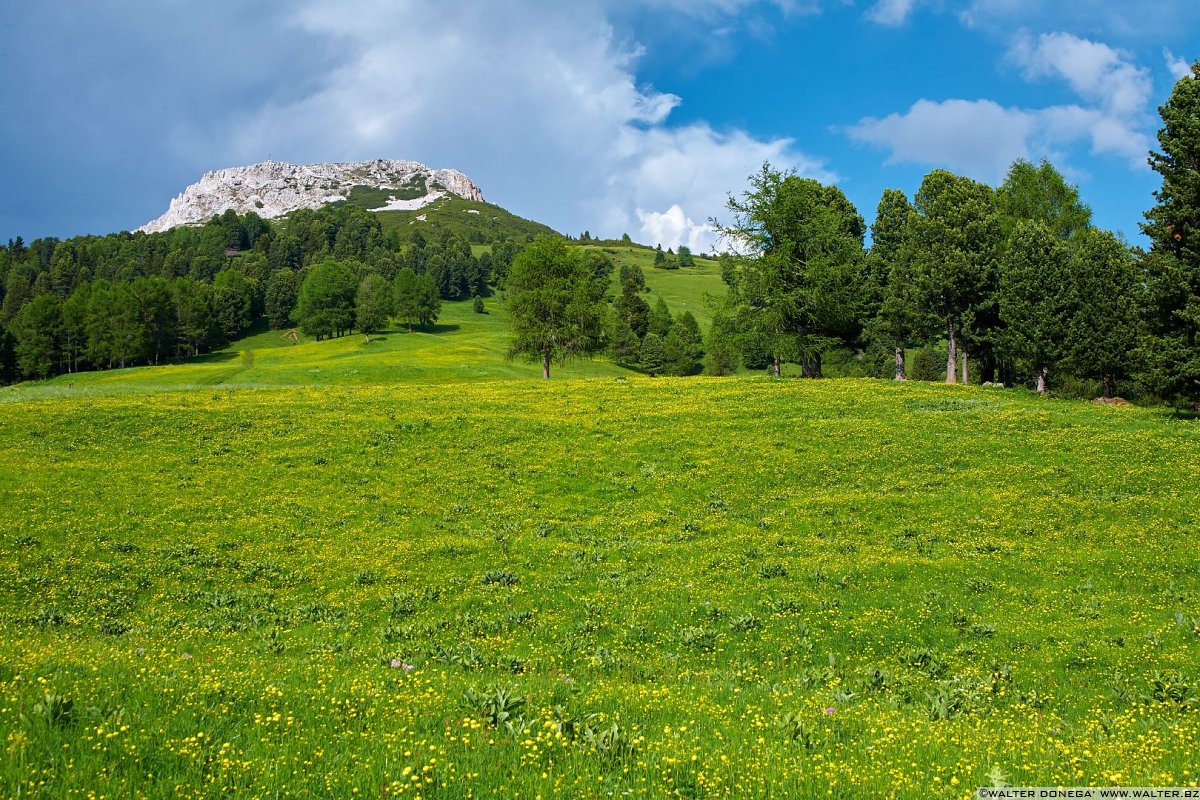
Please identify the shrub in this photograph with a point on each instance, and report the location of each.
(926, 366)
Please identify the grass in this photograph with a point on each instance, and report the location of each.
(591, 588)
(471, 220)
(692, 288)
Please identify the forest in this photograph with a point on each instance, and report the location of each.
(1012, 285)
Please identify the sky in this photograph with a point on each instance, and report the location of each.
(611, 116)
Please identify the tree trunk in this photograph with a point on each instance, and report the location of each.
(1042, 375)
(1110, 386)
(987, 367)
(776, 366)
(546, 365)
(951, 353)
(965, 372)
(810, 366)
(900, 364)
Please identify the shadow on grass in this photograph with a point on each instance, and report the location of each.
(449, 327)
(218, 357)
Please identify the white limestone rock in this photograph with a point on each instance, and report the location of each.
(274, 188)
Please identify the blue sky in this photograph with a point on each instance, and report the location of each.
(607, 115)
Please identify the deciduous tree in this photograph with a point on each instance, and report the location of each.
(555, 309)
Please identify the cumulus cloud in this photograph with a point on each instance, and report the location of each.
(981, 138)
(975, 137)
(1097, 72)
(534, 99)
(1178, 67)
(891, 12)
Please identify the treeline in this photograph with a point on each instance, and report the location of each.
(1015, 282)
(96, 302)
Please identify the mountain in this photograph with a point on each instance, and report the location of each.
(275, 188)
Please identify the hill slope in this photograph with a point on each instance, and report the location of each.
(463, 346)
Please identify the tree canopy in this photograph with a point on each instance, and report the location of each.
(555, 305)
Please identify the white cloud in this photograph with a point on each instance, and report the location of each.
(536, 100)
(981, 138)
(1097, 72)
(891, 12)
(673, 225)
(1178, 67)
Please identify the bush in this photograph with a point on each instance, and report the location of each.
(1076, 388)
(926, 366)
(477, 304)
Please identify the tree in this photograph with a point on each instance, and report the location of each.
(721, 350)
(624, 347)
(632, 272)
(899, 321)
(1101, 335)
(651, 357)
(233, 301)
(283, 290)
(633, 309)
(1041, 194)
(1170, 352)
(326, 306)
(38, 332)
(373, 304)
(599, 265)
(197, 326)
(416, 298)
(1033, 297)
(953, 244)
(685, 258)
(74, 316)
(800, 287)
(156, 315)
(552, 300)
(683, 347)
(658, 321)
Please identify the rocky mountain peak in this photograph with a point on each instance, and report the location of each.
(275, 188)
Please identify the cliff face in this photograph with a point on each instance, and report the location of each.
(274, 188)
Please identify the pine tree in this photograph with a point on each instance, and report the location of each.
(1034, 299)
(1102, 333)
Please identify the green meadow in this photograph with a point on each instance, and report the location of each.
(404, 569)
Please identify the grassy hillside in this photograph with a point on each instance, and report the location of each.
(471, 220)
(674, 587)
(463, 346)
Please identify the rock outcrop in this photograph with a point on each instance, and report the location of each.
(274, 188)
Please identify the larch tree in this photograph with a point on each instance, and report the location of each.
(800, 285)
(556, 307)
(373, 305)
